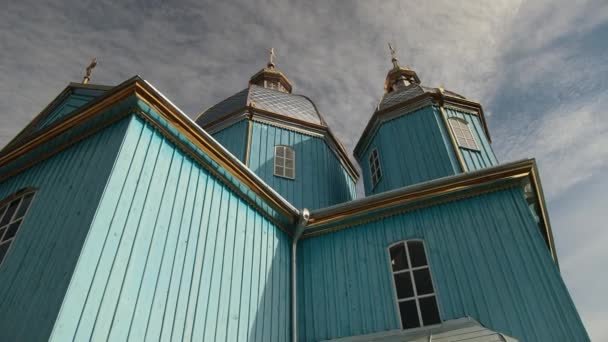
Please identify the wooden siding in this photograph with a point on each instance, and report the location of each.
(38, 268)
(76, 99)
(173, 254)
(483, 158)
(413, 148)
(491, 265)
(234, 139)
(320, 180)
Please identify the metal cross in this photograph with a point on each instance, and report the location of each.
(393, 55)
(271, 57)
(89, 71)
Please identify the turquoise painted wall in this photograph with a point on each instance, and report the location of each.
(483, 158)
(38, 268)
(320, 181)
(492, 265)
(413, 148)
(234, 139)
(174, 254)
(76, 99)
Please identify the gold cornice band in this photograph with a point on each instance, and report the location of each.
(440, 190)
(253, 111)
(435, 192)
(439, 99)
(184, 126)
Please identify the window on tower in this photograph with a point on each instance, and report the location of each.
(12, 214)
(374, 167)
(462, 132)
(414, 289)
(284, 162)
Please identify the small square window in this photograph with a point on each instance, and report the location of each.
(463, 134)
(284, 162)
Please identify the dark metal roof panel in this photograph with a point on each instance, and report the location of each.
(396, 97)
(225, 107)
(295, 106)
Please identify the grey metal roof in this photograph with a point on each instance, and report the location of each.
(225, 107)
(410, 92)
(294, 106)
(457, 330)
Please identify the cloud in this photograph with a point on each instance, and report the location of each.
(539, 68)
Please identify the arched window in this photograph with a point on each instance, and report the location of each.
(413, 284)
(12, 214)
(374, 167)
(462, 132)
(284, 162)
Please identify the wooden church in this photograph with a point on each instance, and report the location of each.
(122, 219)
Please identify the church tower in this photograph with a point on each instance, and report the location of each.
(419, 133)
(284, 139)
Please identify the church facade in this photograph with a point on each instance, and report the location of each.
(122, 219)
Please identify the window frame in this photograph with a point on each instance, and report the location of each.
(462, 140)
(371, 169)
(415, 297)
(4, 205)
(284, 157)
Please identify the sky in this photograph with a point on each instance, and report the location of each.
(539, 68)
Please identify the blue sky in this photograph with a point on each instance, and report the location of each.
(540, 68)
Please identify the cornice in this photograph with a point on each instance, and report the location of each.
(407, 107)
(376, 207)
(175, 118)
(305, 127)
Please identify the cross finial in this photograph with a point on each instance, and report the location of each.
(87, 76)
(271, 57)
(393, 55)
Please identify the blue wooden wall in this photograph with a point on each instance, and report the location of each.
(38, 268)
(483, 158)
(492, 265)
(174, 254)
(234, 139)
(320, 181)
(413, 148)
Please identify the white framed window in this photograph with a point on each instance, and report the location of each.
(12, 213)
(462, 132)
(374, 167)
(413, 284)
(284, 162)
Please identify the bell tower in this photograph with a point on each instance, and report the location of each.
(419, 133)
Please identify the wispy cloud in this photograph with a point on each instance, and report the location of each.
(539, 68)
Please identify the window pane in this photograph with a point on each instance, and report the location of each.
(279, 161)
(9, 213)
(3, 249)
(409, 314)
(422, 278)
(289, 173)
(429, 310)
(12, 230)
(289, 163)
(403, 284)
(280, 151)
(417, 255)
(278, 170)
(24, 205)
(398, 257)
(289, 153)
